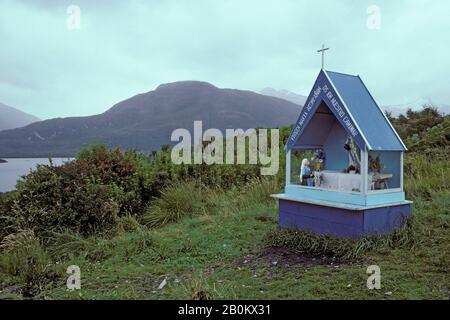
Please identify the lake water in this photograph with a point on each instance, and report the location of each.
(11, 171)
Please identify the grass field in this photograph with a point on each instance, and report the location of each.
(229, 254)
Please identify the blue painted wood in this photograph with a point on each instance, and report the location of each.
(332, 214)
(301, 193)
(384, 198)
(365, 111)
(337, 157)
(326, 195)
(385, 220)
(340, 222)
(318, 130)
(323, 92)
(316, 219)
(349, 99)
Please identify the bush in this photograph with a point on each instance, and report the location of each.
(434, 137)
(6, 222)
(417, 122)
(87, 208)
(129, 171)
(128, 224)
(86, 195)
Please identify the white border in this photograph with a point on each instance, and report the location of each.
(364, 169)
(288, 168)
(370, 192)
(401, 171)
(382, 191)
(325, 189)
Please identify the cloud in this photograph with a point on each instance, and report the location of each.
(128, 47)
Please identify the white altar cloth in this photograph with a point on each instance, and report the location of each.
(339, 181)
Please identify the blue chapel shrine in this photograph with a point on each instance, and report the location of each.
(344, 164)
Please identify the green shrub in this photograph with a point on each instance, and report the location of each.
(128, 223)
(87, 208)
(87, 195)
(6, 221)
(129, 171)
(436, 135)
(189, 199)
(417, 122)
(223, 176)
(90, 194)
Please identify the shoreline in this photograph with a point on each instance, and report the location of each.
(37, 157)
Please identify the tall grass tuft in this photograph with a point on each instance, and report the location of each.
(199, 287)
(176, 201)
(127, 223)
(258, 192)
(66, 245)
(424, 178)
(24, 257)
(189, 199)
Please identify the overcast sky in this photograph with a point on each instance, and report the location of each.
(127, 47)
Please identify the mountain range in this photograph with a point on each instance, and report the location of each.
(146, 121)
(11, 118)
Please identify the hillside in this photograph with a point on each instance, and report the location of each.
(146, 121)
(11, 118)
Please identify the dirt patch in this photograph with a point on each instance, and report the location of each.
(265, 219)
(284, 257)
(13, 289)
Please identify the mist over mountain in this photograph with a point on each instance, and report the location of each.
(285, 94)
(417, 105)
(394, 110)
(11, 118)
(147, 120)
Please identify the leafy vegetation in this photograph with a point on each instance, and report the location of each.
(416, 124)
(131, 221)
(86, 195)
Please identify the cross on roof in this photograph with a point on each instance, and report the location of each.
(323, 54)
